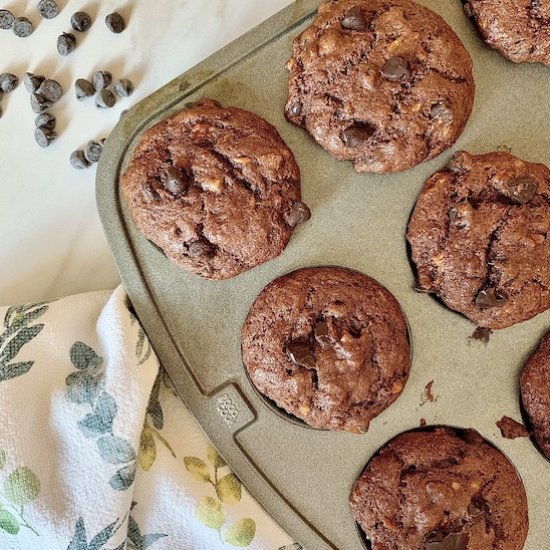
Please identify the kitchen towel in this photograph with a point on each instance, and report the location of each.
(96, 450)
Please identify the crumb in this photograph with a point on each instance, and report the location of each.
(422, 422)
(428, 395)
(482, 334)
(510, 429)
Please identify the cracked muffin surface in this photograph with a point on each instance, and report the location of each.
(386, 84)
(329, 345)
(518, 29)
(479, 238)
(441, 489)
(217, 189)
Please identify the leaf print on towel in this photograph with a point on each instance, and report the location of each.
(17, 332)
(86, 386)
(19, 489)
(137, 541)
(154, 422)
(228, 491)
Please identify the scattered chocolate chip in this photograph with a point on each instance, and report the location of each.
(66, 43)
(22, 27)
(299, 213)
(440, 111)
(44, 137)
(48, 9)
(490, 298)
(8, 82)
(101, 80)
(321, 333)
(396, 68)
(124, 88)
(32, 82)
(105, 99)
(83, 89)
(78, 160)
(7, 19)
(510, 429)
(115, 22)
(356, 135)
(39, 103)
(93, 151)
(354, 20)
(45, 120)
(452, 541)
(81, 21)
(522, 189)
(300, 355)
(51, 90)
(296, 109)
(482, 334)
(423, 423)
(174, 183)
(202, 247)
(472, 437)
(468, 9)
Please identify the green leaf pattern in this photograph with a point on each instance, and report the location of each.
(86, 386)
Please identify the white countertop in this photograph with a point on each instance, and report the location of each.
(51, 240)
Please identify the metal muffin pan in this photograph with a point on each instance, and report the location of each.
(303, 477)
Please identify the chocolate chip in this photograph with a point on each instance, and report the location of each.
(44, 137)
(124, 88)
(45, 120)
(39, 103)
(7, 19)
(78, 160)
(51, 90)
(522, 189)
(8, 82)
(321, 333)
(396, 68)
(356, 135)
(66, 43)
(440, 111)
(83, 88)
(93, 151)
(299, 213)
(202, 247)
(32, 82)
(48, 9)
(296, 109)
(174, 182)
(101, 80)
(452, 541)
(355, 20)
(105, 99)
(471, 437)
(22, 27)
(81, 21)
(301, 355)
(490, 298)
(115, 22)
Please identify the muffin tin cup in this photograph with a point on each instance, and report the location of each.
(303, 477)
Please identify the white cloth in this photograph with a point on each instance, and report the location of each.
(96, 450)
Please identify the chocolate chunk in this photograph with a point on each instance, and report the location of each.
(396, 68)
(483, 334)
(355, 20)
(8, 82)
(44, 137)
(439, 111)
(471, 437)
(356, 135)
(51, 90)
(124, 88)
(490, 298)
(81, 21)
(299, 213)
(66, 43)
(115, 22)
(105, 99)
(78, 160)
(32, 82)
(39, 103)
(301, 355)
(93, 151)
(321, 333)
(296, 109)
(453, 541)
(22, 27)
(101, 80)
(510, 429)
(45, 120)
(202, 247)
(83, 88)
(48, 9)
(175, 182)
(7, 19)
(522, 189)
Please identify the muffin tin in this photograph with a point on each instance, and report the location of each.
(302, 476)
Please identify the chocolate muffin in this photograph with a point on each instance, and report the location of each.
(535, 394)
(518, 29)
(217, 189)
(479, 237)
(329, 345)
(386, 84)
(441, 489)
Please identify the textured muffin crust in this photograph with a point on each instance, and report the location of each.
(535, 394)
(217, 189)
(328, 345)
(441, 489)
(386, 84)
(479, 238)
(518, 29)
